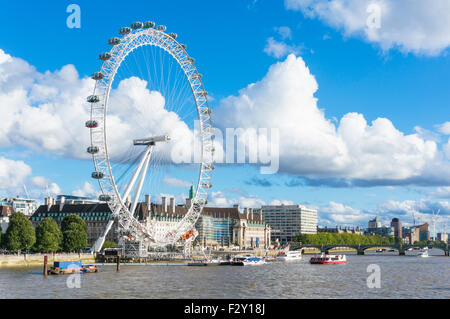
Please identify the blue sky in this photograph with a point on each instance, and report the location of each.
(388, 75)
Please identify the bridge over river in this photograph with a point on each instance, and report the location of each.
(361, 248)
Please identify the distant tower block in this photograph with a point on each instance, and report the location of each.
(192, 192)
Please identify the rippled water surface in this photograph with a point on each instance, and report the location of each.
(401, 277)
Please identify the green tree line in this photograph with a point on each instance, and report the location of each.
(47, 237)
(343, 239)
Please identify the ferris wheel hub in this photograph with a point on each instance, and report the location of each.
(151, 140)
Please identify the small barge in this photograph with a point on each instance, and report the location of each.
(205, 262)
(71, 267)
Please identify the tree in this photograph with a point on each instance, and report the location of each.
(48, 236)
(20, 234)
(108, 244)
(72, 218)
(74, 238)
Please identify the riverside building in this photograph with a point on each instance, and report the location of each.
(287, 221)
(6, 210)
(216, 226)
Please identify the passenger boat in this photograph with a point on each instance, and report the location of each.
(289, 256)
(248, 261)
(424, 254)
(324, 259)
(71, 267)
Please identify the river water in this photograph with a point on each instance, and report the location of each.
(400, 277)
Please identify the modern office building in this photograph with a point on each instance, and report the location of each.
(416, 233)
(375, 228)
(380, 231)
(23, 205)
(287, 221)
(397, 225)
(442, 237)
(375, 223)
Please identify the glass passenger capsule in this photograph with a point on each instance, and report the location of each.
(97, 76)
(93, 98)
(190, 60)
(97, 175)
(91, 124)
(202, 93)
(149, 25)
(125, 31)
(173, 35)
(114, 41)
(161, 28)
(92, 149)
(105, 56)
(104, 198)
(137, 25)
(207, 185)
(196, 76)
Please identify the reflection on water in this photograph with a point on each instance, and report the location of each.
(401, 277)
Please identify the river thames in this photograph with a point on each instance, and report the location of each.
(401, 277)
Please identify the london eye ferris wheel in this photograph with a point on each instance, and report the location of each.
(147, 97)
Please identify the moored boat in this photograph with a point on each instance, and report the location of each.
(206, 262)
(289, 256)
(247, 261)
(324, 259)
(71, 267)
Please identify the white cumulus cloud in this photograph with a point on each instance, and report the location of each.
(312, 145)
(420, 27)
(279, 49)
(13, 173)
(46, 112)
(444, 128)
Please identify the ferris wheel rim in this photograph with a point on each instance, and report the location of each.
(102, 164)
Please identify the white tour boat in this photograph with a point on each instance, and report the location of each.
(290, 255)
(325, 259)
(248, 261)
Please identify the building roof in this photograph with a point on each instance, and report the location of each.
(6, 211)
(73, 208)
